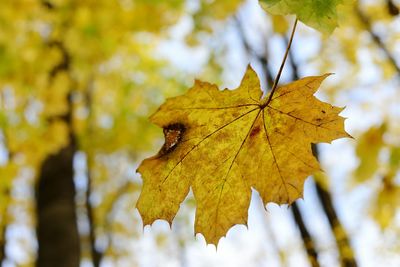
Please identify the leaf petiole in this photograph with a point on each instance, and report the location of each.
(278, 76)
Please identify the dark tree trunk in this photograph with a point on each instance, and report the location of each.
(57, 230)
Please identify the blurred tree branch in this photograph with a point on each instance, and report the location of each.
(95, 253)
(308, 242)
(378, 40)
(346, 255)
(261, 58)
(392, 8)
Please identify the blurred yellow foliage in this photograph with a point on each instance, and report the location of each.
(368, 147)
(87, 69)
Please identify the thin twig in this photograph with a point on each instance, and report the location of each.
(278, 76)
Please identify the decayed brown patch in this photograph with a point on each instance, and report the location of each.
(173, 135)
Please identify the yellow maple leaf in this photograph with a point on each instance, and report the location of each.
(223, 143)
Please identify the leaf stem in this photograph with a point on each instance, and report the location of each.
(278, 76)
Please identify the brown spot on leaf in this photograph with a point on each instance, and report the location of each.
(173, 135)
(255, 131)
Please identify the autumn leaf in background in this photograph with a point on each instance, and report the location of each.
(368, 147)
(223, 143)
(321, 15)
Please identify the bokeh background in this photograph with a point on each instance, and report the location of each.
(78, 80)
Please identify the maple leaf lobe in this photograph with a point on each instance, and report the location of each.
(235, 142)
